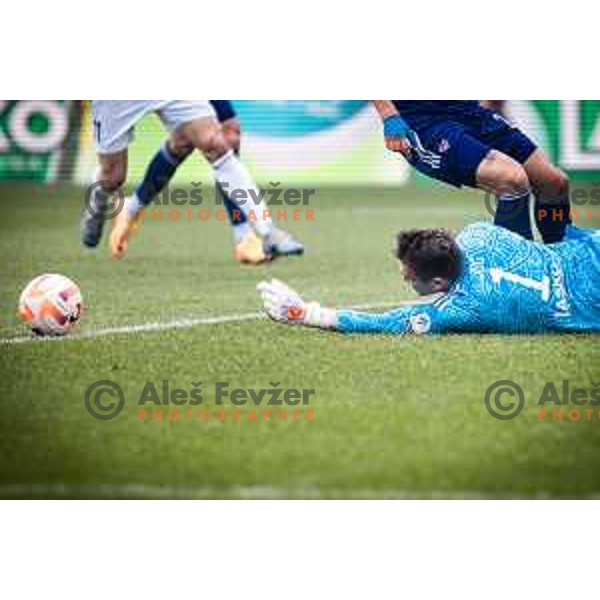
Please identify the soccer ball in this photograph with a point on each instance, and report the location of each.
(51, 305)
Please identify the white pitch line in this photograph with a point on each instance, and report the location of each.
(153, 326)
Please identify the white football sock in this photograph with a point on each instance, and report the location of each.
(133, 205)
(232, 175)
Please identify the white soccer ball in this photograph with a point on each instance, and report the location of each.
(51, 305)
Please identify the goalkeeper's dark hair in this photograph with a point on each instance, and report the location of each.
(430, 253)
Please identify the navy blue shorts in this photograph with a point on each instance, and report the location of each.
(224, 110)
(463, 140)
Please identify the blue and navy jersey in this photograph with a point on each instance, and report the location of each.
(435, 106)
(458, 135)
(508, 285)
(421, 113)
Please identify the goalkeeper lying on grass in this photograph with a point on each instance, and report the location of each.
(487, 279)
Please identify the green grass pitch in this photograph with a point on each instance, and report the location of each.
(393, 417)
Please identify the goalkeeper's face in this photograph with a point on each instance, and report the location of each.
(430, 259)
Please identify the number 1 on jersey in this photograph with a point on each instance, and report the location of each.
(542, 286)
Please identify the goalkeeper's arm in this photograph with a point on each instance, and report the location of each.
(285, 305)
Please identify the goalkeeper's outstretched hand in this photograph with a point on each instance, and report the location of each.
(282, 303)
(285, 305)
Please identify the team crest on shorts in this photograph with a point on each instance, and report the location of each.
(443, 146)
(420, 323)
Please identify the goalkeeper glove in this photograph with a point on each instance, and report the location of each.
(285, 305)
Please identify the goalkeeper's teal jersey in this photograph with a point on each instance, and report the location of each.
(508, 285)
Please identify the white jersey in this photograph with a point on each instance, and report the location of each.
(115, 120)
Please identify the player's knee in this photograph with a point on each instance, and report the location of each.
(516, 178)
(555, 184)
(502, 174)
(513, 178)
(232, 135)
(211, 142)
(179, 145)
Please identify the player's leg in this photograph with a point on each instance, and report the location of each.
(196, 121)
(500, 151)
(160, 171)
(504, 177)
(232, 132)
(206, 134)
(549, 185)
(113, 130)
(174, 152)
(450, 154)
(248, 246)
(109, 176)
(551, 189)
(232, 135)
